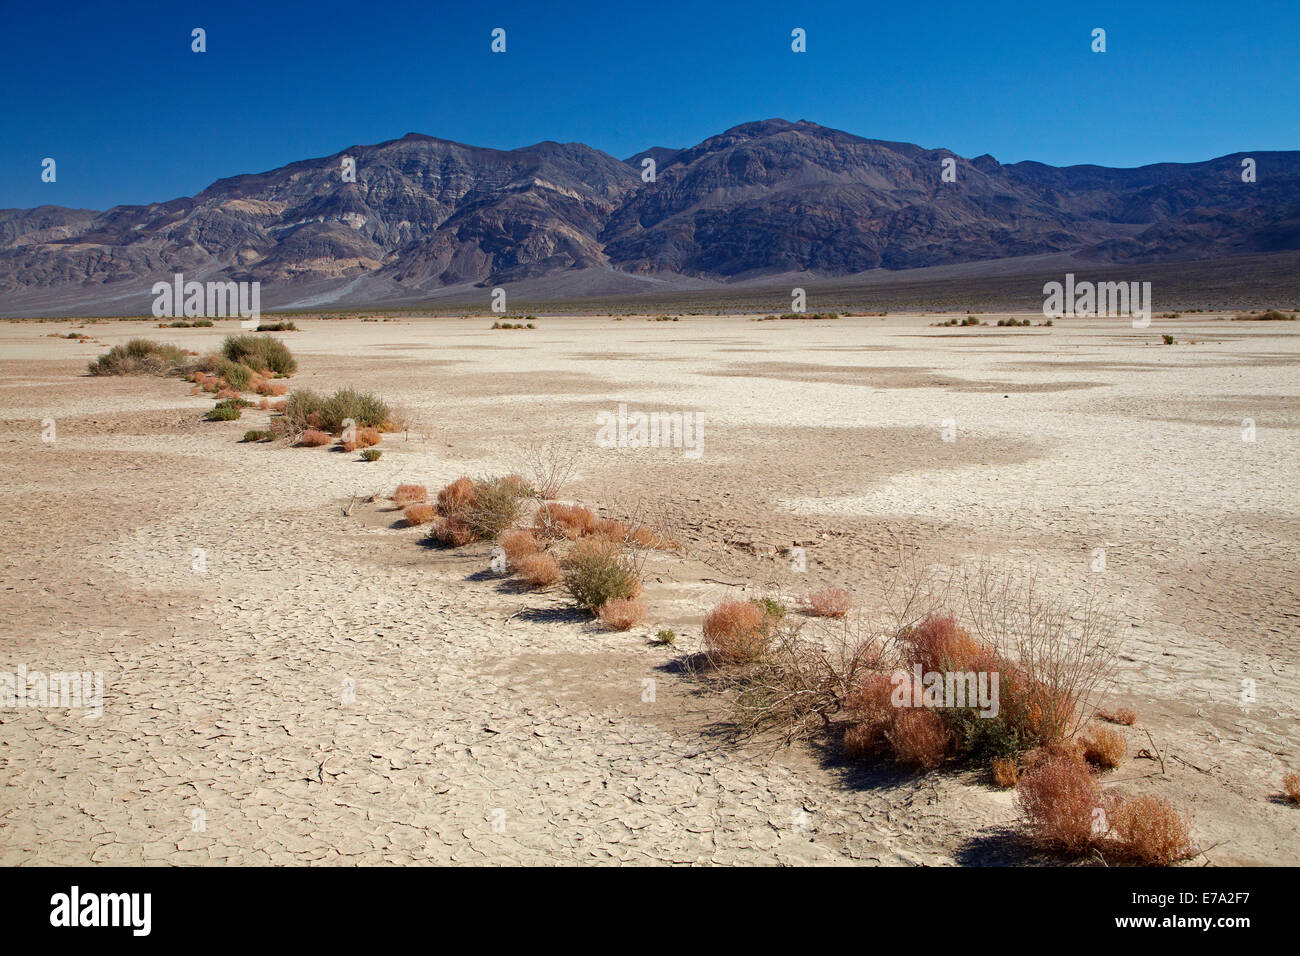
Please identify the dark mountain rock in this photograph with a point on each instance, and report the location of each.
(768, 197)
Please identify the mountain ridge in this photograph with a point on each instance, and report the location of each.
(764, 198)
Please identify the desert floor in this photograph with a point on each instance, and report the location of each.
(491, 725)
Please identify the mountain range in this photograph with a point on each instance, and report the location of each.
(427, 218)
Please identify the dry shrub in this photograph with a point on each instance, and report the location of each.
(314, 438)
(919, 737)
(277, 406)
(546, 466)
(937, 643)
(456, 497)
(1006, 772)
(556, 521)
(1150, 831)
(613, 530)
(538, 570)
(517, 484)
(598, 570)
(1291, 786)
(418, 514)
(518, 545)
(1064, 654)
(452, 530)
(1120, 715)
(871, 713)
(828, 602)
(645, 537)
(1059, 799)
(1103, 747)
(410, 494)
(227, 393)
(621, 613)
(736, 632)
(274, 389)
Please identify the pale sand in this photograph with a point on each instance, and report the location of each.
(223, 690)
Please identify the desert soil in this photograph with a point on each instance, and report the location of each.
(329, 689)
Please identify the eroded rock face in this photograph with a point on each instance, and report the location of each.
(765, 197)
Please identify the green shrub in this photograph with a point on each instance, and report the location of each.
(140, 357)
(277, 327)
(371, 454)
(260, 353)
(223, 413)
(307, 409)
(257, 434)
(234, 403)
(1169, 339)
(598, 571)
(236, 374)
(496, 506)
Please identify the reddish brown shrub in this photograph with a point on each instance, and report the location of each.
(456, 497)
(225, 392)
(1150, 831)
(1121, 715)
(919, 737)
(736, 632)
(452, 530)
(644, 537)
(615, 531)
(1291, 786)
(410, 494)
(555, 520)
(278, 406)
(1059, 800)
(314, 438)
(274, 389)
(621, 613)
(418, 514)
(1006, 772)
(871, 711)
(939, 644)
(519, 545)
(538, 570)
(828, 602)
(1102, 747)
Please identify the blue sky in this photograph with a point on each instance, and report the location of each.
(113, 93)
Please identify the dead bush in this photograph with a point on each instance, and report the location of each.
(1103, 747)
(1150, 831)
(456, 497)
(452, 531)
(1062, 804)
(547, 465)
(314, 438)
(418, 514)
(538, 570)
(919, 737)
(1121, 715)
(827, 602)
(736, 632)
(564, 522)
(621, 613)
(519, 545)
(1291, 786)
(410, 494)
(1006, 772)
